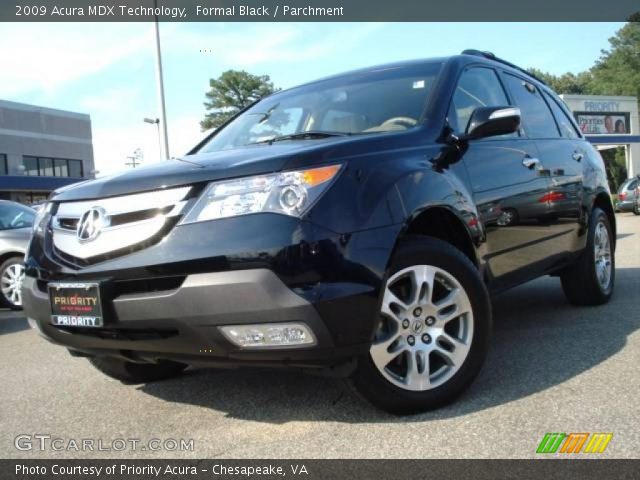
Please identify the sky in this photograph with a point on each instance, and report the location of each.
(108, 69)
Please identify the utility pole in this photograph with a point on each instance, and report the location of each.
(135, 158)
(164, 138)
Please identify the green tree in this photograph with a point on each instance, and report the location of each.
(617, 71)
(231, 92)
(565, 83)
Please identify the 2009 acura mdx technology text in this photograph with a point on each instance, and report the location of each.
(356, 224)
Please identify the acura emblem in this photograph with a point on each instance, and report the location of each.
(91, 224)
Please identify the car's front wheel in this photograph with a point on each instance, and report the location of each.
(11, 278)
(433, 331)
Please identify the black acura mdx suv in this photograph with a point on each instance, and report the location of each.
(355, 225)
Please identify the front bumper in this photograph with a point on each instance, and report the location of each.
(167, 301)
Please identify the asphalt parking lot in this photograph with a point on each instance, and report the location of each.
(552, 368)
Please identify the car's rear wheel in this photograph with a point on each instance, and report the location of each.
(591, 279)
(433, 332)
(131, 372)
(11, 278)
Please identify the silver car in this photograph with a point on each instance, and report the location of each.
(629, 196)
(16, 222)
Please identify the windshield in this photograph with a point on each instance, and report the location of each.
(14, 216)
(386, 100)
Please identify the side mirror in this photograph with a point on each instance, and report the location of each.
(492, 121)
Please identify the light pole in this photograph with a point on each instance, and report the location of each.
(162, 125)
(156, 122)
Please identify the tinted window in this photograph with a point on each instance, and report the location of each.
(536, 116)
(61, 168)
(14, 216)
(46, 167)
(30, 165)
(75, 168)
(566, 126)
(4, 168)
(477, 87)
(384, 100)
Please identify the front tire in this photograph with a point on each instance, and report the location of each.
(591, 279)
(11, 277)
(133, 373)
(433, 331)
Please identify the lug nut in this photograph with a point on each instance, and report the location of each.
(417, 312)
(411, 340)
(430, 321)
(405, 323)
(426, 338)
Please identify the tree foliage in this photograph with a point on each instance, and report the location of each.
(231, 92)
(616, 72)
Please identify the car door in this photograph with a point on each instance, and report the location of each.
(561, 153)
(508, 182)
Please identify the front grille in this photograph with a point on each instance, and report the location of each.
(90, 231)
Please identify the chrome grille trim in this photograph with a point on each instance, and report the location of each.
(168, 203)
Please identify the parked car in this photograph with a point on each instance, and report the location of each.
(356, 224)
(15, 232)
(629, 196)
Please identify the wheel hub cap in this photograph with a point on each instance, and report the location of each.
(426, 328)
(11, 283)
(602, 255)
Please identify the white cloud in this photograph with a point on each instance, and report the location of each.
(48, 56)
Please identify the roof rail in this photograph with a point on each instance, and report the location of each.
(491, 56)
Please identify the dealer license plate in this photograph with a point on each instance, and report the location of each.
(75, 304)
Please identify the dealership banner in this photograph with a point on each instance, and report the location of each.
(321, 469)
(607, 123)
(315, 10)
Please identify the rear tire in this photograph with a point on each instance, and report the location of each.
(590, 281)
(132, 373)
(430, 343)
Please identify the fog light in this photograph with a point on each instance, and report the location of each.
(267, 335)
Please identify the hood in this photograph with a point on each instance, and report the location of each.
(250, 160)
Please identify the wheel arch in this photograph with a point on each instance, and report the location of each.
(603, 201)
(440, 221)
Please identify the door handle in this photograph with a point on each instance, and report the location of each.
(577, 156)
(530, 162)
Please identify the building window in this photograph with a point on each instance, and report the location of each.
(52, 167)
(4, 167)
(30, 165)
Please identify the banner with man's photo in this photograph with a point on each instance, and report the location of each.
(603, 122)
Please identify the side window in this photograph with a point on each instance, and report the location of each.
(477, 87)
(566, 126)
(536, 116)
(15, 216)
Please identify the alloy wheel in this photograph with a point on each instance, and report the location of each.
(602, 255)
(11, 283)
(426, 328)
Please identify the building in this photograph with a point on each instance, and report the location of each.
(42, 149)
(609, 122)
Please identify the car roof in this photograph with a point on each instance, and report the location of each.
(9, 202)
(461, 60)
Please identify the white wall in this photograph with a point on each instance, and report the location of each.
(605, 104)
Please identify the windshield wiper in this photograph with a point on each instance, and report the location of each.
(310, 135)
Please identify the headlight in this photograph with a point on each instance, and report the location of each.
(289, 193)
(41, 218)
